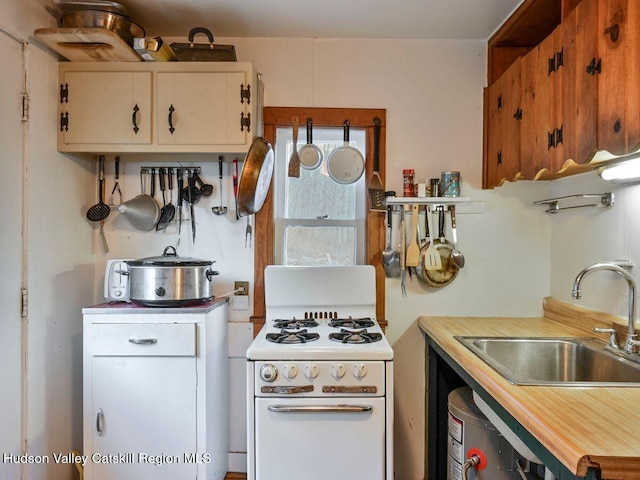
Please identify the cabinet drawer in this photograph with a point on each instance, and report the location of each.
(168, 339)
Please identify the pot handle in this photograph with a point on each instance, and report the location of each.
(210, 274)
(166, 250)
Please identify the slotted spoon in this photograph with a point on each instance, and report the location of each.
(100, 210)
(432, 260)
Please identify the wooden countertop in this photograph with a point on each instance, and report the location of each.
(582, 427)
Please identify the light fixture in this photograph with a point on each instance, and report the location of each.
(622, 170)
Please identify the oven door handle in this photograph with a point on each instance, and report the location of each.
(320, 408)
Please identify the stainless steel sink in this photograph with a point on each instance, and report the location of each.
(554, 361)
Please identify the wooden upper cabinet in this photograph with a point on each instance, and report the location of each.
(580, 89)
(502, 161)
(618, 35)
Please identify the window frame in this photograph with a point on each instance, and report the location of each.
(280, 177)
(264, 226)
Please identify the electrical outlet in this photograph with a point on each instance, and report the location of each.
(241, 289)
(241, 296)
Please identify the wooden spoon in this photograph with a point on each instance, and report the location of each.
(413, 249)
(294, 160)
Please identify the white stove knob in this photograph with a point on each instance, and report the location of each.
(268, 372)
(289, 371)
(337, 370)
(359, 370)
(311, 370)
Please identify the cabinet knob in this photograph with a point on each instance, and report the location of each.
(613, 31)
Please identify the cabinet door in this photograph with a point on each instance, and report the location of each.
(105, 108)
(618, 99)
(584, 95)
(503, 135)
(201, 109)
(544, 152)
(142, 404)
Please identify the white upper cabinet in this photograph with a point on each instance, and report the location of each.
(202, 109)
(148, 107)
(105, 107)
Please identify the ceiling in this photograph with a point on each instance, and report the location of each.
(397, 19)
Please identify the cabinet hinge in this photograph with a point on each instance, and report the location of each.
(25, 107)
(245, 122)
(555, 138)
(64, 93)
(559, 58)
(595, 66)
(245, 93)
(24, 302)
(64, 121)
(552, 65)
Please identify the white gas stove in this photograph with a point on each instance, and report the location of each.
(320, 356)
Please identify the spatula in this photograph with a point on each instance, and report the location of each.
(376, 188)
(294, 160)
(413, 249)
(432, 260)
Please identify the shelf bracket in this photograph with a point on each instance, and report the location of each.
(602, 200)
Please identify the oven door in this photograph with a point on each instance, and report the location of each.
(320, 438)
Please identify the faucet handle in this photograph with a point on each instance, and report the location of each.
(613, 339)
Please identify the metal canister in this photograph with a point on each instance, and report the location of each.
(407, 182)
(450, 184)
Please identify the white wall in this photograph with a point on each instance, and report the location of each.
(584, 236)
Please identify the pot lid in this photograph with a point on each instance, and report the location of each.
(169, 258)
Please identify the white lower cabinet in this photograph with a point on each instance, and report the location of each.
(156, 393)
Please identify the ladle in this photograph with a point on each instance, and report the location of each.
(390, 258)
(219, 210)
(456, 254)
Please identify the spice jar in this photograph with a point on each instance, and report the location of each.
(407, 182)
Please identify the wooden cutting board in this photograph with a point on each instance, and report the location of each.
(87, 44)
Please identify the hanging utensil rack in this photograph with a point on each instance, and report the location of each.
(146, 169)
(598, 200)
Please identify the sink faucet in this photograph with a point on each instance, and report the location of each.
(631, 345)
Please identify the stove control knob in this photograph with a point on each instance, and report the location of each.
(337, 370)
(268, 372)
(289, 371)
(311, 371)
(359, 370)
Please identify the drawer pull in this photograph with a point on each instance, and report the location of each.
(143, 341)
(319, 408)
(100, 422)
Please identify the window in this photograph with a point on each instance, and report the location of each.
(264, 228)
(318, 221)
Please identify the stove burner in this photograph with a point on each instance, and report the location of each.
(289, 337)
(293, 323)
(364, 322)
(355, 337)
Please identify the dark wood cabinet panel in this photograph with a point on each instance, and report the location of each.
(618, 92)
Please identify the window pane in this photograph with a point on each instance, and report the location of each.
(316, 246)
(315, 195)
